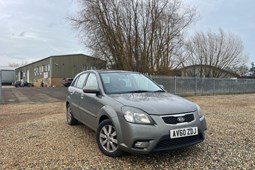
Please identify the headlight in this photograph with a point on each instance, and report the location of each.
(135, 115)
(199, 112)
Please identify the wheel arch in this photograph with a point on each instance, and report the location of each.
(107, 112)
(67, 103)
(102, 118)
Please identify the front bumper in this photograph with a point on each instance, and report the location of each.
(157, 136)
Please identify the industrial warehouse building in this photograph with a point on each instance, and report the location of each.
(53, 69)
(7, 75)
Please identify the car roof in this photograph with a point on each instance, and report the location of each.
(106, 71)
(114, 71)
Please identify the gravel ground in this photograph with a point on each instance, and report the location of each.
(36, 136)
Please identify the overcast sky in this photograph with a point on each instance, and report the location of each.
(31, 30)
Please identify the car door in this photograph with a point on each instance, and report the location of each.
(91, 103)
(75, 93)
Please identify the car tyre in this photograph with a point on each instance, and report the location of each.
(107, 139)
(69, 116)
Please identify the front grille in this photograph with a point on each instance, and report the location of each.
(166, 143)
(174, 119)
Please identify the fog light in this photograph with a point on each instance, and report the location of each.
(141, 144)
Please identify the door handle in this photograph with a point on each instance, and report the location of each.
(82, 96)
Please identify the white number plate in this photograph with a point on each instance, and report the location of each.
(179, 133)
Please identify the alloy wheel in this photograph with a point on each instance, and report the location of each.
(68, 114)
(108, 138)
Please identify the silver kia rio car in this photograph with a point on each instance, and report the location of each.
(131, 113)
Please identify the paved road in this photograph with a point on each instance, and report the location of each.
(33, 94)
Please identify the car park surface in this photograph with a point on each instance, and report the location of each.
(33, 95)
(34, 132)
(36, 136)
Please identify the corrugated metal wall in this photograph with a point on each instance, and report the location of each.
(53, 69)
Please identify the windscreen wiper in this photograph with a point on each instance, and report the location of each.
(158, 91)
(144, 91)
(138, 91)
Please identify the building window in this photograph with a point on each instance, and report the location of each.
(36, 71)
(45, 68)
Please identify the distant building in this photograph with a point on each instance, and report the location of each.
(8, 75)
(206, 71)
(51, 70)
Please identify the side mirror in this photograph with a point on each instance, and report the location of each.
(91, 90)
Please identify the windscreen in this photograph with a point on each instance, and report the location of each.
(126, 82)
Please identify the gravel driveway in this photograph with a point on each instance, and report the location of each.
(36, 136)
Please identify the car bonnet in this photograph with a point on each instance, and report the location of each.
(156, 103)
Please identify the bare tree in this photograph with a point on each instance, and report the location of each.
(242, 70)
(18, 64)
(217, 50)
(144, 35)
(252, 70)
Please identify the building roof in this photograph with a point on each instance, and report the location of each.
(54, 56)
(6, 68)
(209, 66)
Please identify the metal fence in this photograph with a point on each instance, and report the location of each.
(205, 86)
